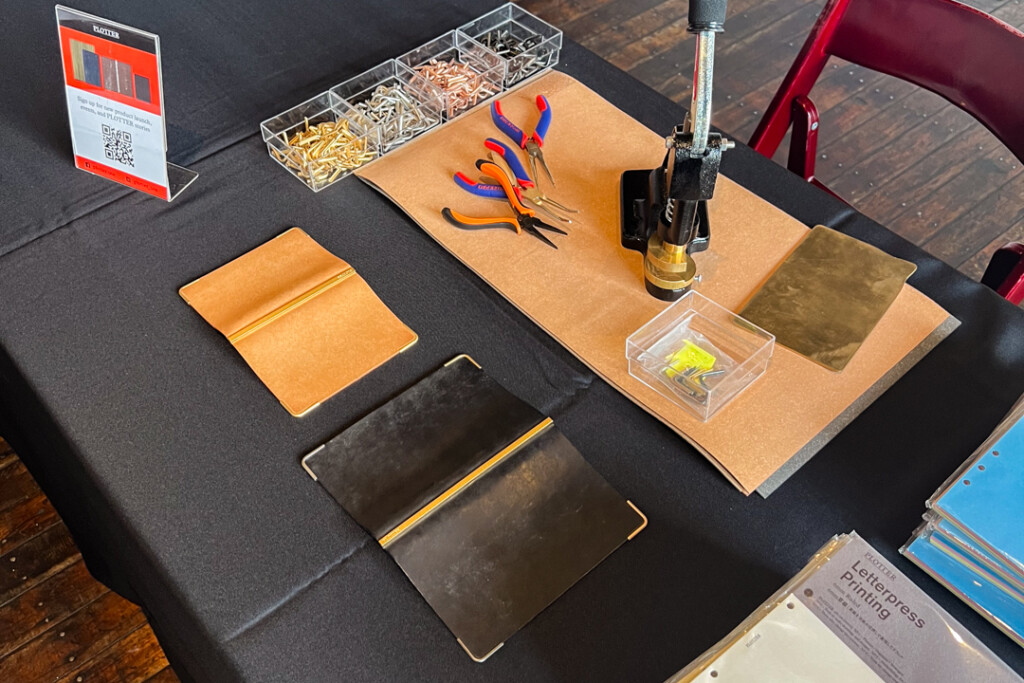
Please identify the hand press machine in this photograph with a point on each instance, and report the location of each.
(664, 210)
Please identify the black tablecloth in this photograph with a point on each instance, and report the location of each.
(178, 472)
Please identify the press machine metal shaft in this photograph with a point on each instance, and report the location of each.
(664, 210)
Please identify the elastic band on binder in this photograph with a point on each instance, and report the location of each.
(433, 505)
(291, 305)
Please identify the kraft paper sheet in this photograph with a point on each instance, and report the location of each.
(589, 293)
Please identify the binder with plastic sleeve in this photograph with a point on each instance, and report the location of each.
(984, 497)
(488, 509)
(986, 592)
(849, 616)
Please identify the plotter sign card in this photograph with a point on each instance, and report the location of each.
(115, 103)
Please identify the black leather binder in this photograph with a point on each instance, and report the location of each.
(484, 504)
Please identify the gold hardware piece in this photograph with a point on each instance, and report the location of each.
(319, 154)
(642, 516)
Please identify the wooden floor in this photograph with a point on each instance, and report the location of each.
(57, 623)
(901, 155)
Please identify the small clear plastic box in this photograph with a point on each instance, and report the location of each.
(279, 130)
(426, 96)
(522, 26)
(459, 47)
(658, 351)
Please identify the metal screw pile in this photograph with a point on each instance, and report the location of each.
(397, 114)
(462, 84)
(507, 46)
(321, 153)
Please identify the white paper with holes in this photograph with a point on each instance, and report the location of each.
(790, 645)
(849, 616)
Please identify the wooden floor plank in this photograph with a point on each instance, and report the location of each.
(958, 240)
(846, 97)
(900, 153)
(732, 54)
(936, 169)
(744, 18)
(668, 48)
(16, 486)
(562, 12)
(165, 675)
(964, 193)
(845, 151)
(636, 28)
(136, 658)
(869, 95)
(24, 520)
(7, 455)
(608, 17)
(36, 560)
(73, 641)
(975, 266)
(52, 601)
(638, 52)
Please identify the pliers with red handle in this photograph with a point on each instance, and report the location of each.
(532, 142)
(525, 218)
(527, 190)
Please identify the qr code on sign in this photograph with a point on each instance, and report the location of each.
(117, 145)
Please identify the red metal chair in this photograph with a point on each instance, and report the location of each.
(972, 59)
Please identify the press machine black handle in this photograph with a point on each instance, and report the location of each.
(706, 15)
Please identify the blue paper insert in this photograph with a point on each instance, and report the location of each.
(969, 582)
(987, 500)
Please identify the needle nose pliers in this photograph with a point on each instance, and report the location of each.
(528, 191)
(525, 219)
(532, 142)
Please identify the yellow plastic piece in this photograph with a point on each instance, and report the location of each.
(687, 357)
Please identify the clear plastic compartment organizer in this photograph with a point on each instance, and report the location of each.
(699, 354)
(319, 142)
(479, 72)
(525, 43)
(394, 100)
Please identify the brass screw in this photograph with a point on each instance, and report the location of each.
(319, 154)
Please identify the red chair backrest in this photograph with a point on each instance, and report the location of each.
(972, 59)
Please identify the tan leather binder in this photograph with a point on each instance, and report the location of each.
(301, 317)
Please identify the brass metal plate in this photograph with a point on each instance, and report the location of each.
(824, 299)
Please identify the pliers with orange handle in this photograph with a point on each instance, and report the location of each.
(525, 219)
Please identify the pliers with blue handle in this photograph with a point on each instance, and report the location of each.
(528, 191)
(532, 142)
(525, 218)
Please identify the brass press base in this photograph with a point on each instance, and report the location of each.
(668, 269)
